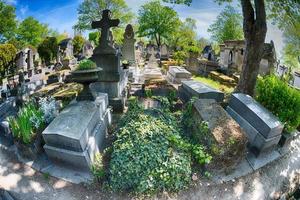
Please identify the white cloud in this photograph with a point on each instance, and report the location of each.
(24, 10)
(11, 2)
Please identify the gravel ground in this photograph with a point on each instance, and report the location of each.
(25, 183)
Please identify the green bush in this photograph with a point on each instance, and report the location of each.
(86, 65)
(98, 167)
(144, 158)
(282, 100)
(27, 123)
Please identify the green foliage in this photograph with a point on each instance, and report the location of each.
(8, 22)
(187, 2)
(143, 159)
(78, 42)
(228, 26)
(86, 64)
(180, 56)
(282, 100)
(148, 93)
(48, 49)
(157, 21)
(32, 32)
(94, 37)
(7, 56)
(27, 123)
(98, 167)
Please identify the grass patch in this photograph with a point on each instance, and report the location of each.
(214, 84)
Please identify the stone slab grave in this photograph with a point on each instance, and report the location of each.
(262, 127)
(76, 135)
(199, 90)
(225, 135)
(178, 74)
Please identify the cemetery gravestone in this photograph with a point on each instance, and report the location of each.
(178, 74)
(164, 52)
(262, 127)
(225, 133)
(297, 79)
(113, 78)
(199, 90)
(128, 45)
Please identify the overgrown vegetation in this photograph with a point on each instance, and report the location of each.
(86, 64)
(28, 122)
(150, 155)
(282, 100)
(214, 84)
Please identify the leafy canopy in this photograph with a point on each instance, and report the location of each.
(8, 22)
(48, 49)
(228, 26)
(157, 21)
(78, 42)
(32, 32)
(7, 55)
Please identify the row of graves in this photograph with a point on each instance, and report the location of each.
(84, 102)
(246, 134)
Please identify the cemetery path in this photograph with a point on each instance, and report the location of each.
(25, 183)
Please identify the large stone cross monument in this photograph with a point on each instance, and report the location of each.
(105, 24)
(113, 78)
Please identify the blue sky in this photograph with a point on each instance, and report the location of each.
(61, 15)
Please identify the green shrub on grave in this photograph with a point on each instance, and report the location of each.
(282, 100)
(149, 154)
(86, 64)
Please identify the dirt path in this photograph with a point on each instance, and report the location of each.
(25, 183)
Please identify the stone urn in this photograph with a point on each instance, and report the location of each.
(85, 77)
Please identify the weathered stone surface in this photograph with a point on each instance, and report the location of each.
(227, 141)
(128, 48)
(258, 143)
(72, 128)
(178, 74)
(256, 115)
(191, 89)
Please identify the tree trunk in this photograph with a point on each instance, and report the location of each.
(255, 29)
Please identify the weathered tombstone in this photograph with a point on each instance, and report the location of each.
(296, 80)
(87, 49)
(164, 52)
(77, 134)
(281, 70)
(262, 127)
(113, 78)
(128, 45)
(199, 90)
(226, 138)
(178, 74)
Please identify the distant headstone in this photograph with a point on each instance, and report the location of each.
(199, 90)
(178, 74)
(262, 127)
(128, 49)
(164, 52)
(297, 79)
(281, 70)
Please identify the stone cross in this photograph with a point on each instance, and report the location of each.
(105, 24)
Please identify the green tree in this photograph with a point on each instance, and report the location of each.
(228, 26)
(91, 10)
(78, 42)
(94, 37)
(157, 21)
(7, 56)
(32, 32)
(8, 22)
(202, 42)
(184, 35)
(48, 49)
